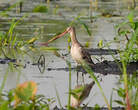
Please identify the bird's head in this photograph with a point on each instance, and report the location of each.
(70, 29)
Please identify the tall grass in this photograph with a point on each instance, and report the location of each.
(129, 30)
(69, 96)
(91, 73)
(4, 81)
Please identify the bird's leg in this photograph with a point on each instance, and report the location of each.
(77, 69)
(82, 75)
(83, 78)
(77, 77)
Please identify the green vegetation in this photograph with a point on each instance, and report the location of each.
(13, 47)
(129, 54)
(40, 8)
(10, 45)
(90, 71)
(38, 103)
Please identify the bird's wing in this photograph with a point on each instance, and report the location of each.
(86, 91)
(86, 56)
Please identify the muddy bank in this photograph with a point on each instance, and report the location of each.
(102, 51)
(105, 68)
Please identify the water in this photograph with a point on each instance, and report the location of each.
(47, 25)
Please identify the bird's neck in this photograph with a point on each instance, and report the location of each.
(73, 38)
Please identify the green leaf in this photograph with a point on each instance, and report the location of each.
(121, 92)
(78, 90)
(85, 26)
(4, 105)
(119, 102)
(40, 8)
(89, 70)
(25, 93)
(97, 107)
(11, 95)
(74, 95)
(111, 97)
(136, 26)
(69, 39)
(100, 44)
(87, 44)
(130, 16)
(48, 48)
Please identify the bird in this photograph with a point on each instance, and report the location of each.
(80, 93)
(78, 52)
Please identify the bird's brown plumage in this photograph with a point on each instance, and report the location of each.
(81, 95)
(78, 52)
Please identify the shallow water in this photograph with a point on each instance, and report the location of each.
(49, 24)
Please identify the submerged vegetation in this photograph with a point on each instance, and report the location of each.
(25, 97)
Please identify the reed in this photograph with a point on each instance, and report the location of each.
(91, 73)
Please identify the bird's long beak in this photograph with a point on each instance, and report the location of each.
(54, 38)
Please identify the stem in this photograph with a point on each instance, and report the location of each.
(126, 87)
(69, 64)
(134, 4)
(90, 8)
(58, 98)
(89, 70)
(4, 81)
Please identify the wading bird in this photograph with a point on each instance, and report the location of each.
(78, 53)
(80, 93)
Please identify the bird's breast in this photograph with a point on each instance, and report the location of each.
(76, 53)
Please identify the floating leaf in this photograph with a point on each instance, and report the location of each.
(40, 8)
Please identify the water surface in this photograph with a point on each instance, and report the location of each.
(49, 24)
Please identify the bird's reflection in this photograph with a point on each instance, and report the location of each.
(80, 93)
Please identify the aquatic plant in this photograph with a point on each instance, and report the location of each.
(24, 92)
(10, 43)
(129, 30)
(89, 70)
(40, 8)
(27, 97)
